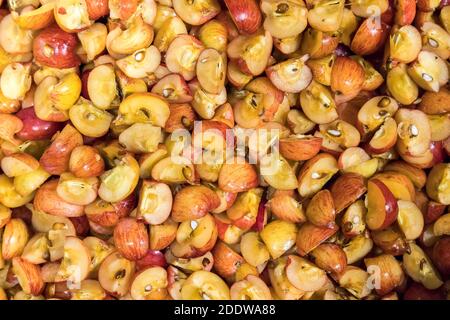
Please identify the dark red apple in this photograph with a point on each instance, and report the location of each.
(35, 128)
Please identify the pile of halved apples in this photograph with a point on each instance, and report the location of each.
(235, 149)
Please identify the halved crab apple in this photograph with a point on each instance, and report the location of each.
(182, 55)
(155, 202)
(321, 211)
(347, 189)
(101, 86)
(286, 206)
(429, 71)
(357, 248)
(399, 184)
(414, 132)
(253, 249)
(137, 36)
(182, 116)
(235, 76)
(315, 173)
(237, 175)
(310, 236)
(48, 200)
(195, 237)
(279, 236)
(116, 274)
(272, 97)
(405, 44)
(373, 112)
(251, 288)
(410, 219)
(226, 231)
(356, 160)
(143, 108)
(438, 184)
(440, 127)
(196, 12)
(173, 169)
(173, 88)
(152, 258)
(75, 263)
(390, 240)
(162, 235)
(79, 191)
(203, 262)
(28, 275)
(245, 15)
(204, 285)
(277, 172)
(119, 182)
(226, 260)
(318, 103)
(204, 103)
(150, 284)
(169, 29)
(326, 15)
(384, 138)
(300, 147)
(353, 220)
(251, 52)
(288, 45)
(282, 287)
(18, 164)
(131, 238)
(284, 19)
(298, 122)
(227, 199)
(244, 211)
(140, 63)
(318, 45)
(420, 268)
(356, 281)
(71, 15)
(210, 70)
(401, 86)
(291, 75)
(193, 202)
(175, 281)
(35, 19)
(99, 251)
(304, 275)
(341, 133)
(382, 208)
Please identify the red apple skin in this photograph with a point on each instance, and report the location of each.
(391, 207)
(81, 225)
(22, 213)
(63, 48)
(388, 16)
(35, 128)
(222, 227)
(151, 259)
(433, 211)
(438, 151)
(416, 291)
(245, 14)
(125, 206)
(261, 218)
(84, 81)
(405, 12)
(441, 256)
